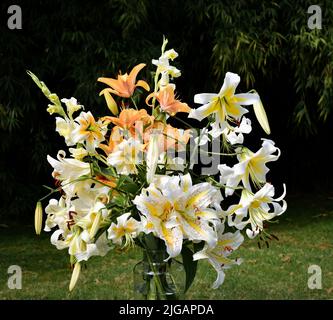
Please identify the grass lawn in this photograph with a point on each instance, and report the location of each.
(280, 272)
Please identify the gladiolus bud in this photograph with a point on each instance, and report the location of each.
(75, 275)
(38, 217)
(261, 115)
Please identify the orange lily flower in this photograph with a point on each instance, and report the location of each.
(125, 85)
(116, 137)
(169, 137)
(130, 119)
(167, 100)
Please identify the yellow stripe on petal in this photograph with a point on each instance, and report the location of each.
(152, 209)
(173, 240)
(197, 197)
(233, 109)
(167, 235)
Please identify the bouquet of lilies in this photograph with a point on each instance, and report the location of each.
(132, 179)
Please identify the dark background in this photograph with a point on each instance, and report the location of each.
(69, 44)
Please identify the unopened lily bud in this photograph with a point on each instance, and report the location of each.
(152, 157)
(95, 225)
(111, 103)
(38, 217)
(261, 115)
(75, 275)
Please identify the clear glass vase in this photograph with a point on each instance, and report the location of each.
(155, 279)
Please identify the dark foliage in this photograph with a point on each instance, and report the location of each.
(68, 44)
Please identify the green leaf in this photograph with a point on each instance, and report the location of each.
(119, 200)
(127, 184)
(130, 187)
(152, 243)
(190, 267)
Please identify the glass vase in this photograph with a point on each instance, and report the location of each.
(157, 279)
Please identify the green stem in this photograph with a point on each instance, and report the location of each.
(136, 107)
(156, 279)
(183, 122)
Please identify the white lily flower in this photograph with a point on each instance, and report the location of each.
(203, 137)
(57, 214)
(218, 255)
(250, 165)
(259, 207)
(91, 222)
(126, 156)
(81, 229)
(88, 131)
(78, 153)
(90, 193)
(69, 170)
(178, 210)
(235, 134)
(126, 227)
(170, 163)
(84, 251)
(225, 105)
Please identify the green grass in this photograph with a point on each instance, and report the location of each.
(280, 272)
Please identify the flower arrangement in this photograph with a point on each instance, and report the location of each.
(132, 179)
